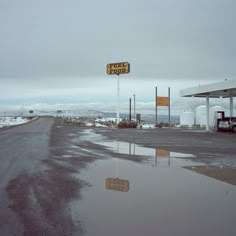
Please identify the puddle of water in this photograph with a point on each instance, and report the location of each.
(126, 198)
(129, 198)
(159, 156)
(134, 149)
(155, 156)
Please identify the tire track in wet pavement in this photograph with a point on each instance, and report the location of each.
(38, 202)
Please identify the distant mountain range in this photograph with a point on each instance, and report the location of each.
(146, 117)
(93, 113)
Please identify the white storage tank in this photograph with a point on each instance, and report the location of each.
(201, 115)
(187, 118)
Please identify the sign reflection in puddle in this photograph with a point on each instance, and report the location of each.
(165, 201)
(126, 197)
(117, 184)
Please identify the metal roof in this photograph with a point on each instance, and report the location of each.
(223, 89)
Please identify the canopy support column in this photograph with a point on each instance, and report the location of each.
(231, 106)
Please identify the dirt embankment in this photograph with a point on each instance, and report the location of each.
(225, 174)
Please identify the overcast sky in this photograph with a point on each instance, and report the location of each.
(56, 51)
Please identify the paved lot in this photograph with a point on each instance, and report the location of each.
(60, 179)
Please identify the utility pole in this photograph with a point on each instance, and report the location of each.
(169, 105)
(118, 100)
(134, 109)
(156, 104)
(130, 110)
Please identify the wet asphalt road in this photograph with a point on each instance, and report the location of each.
(39, 161)
(22, 149)
(53, 181)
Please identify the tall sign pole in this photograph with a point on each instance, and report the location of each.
(118, 100)
(130, 116)
(169, 105)
(156, 104)
(163, 101)
(134, 108)
(117, 69)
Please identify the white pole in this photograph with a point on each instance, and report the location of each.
(169, 105)
(118, 100)
(208, 113)
(156, 104)
(118, 151)
(134, 110)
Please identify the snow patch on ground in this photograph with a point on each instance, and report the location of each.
(88, 124)
(148, 126)
(9, 121)
(100, 125)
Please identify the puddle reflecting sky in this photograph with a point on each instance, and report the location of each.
(158, 201)
(157, 156)
(134, 149)
(155, 197)
(153, 156)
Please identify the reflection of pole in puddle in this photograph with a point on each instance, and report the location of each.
(118, 146)
(116, 167)
(117, 160)
(160, 154)
(130, 148)
(155, 162)
(116, 183)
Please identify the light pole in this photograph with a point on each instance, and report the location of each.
(130, 110)
(134, 109)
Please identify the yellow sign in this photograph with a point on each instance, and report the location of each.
(117, 184)
(118, 68)
(162, 101)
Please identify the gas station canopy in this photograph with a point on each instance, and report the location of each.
(223, 89)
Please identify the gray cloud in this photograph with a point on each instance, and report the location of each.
(172, 39)
(57, 50)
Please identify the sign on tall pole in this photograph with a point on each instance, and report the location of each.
(163, 101)
(118, 100)
(169, 105)
(117, 69)
(134, 108)
(156, 104)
